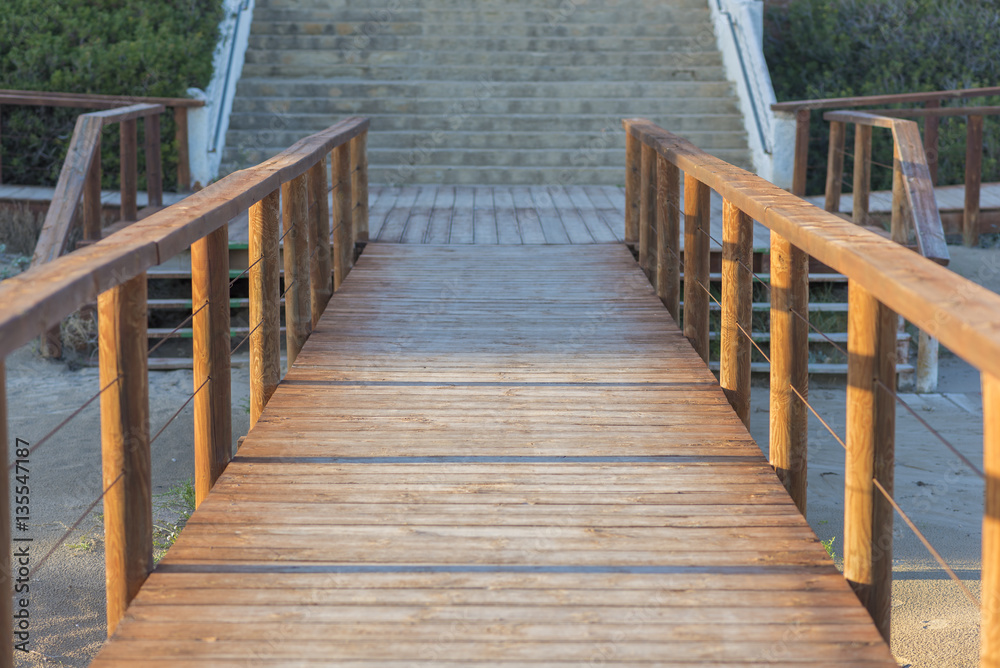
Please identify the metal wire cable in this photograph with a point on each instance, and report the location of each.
(245, 271)
(819, 331)
(183, 406)
(245, 338)
(66, 421)
(923, 539)
(818, 416)
(75, 524)
(168, 335)
(738, 325)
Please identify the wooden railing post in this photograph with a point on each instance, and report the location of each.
(320, 271)
(931, 125)
(6, 574)
(668, 230)
(990, 597)
(125, 452)
(835, 166)
(343, 218)
(973, 179)
(647, 206)
(154, 161)
(129, 169)
(737, 308)
(213, 430)
(697, 257)
(862, 172)
(359, 186)
(789, 426)
(871, 416)
(801, 165)
(92, 197)
(265, 298)
(183, 156)
(298, 312)
(633, 165)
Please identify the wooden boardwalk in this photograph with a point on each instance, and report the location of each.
(497, 455)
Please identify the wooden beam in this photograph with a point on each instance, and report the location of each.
(125, 453)
(298, 313)
(129, 169)
(835, 167)
(801, 165)
(359, 186)
(7, 593)
(862, 173)
(973, 180)
(789, 417)
(213, 430)
(265, 297)
(896, 98)
(697, 256)
(668, 230)
(871, 415)
(320, 270)
(647, 206)
(154, 160)
(737, 308)
(990, 597)
(633, 165)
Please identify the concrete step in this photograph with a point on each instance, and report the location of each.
(361, 42)
(503, 19)
(562, 6)
(649, 28)
(531, 123)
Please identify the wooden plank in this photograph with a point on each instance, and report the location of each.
(696, 263)
(647, 207)
(295, 240)
(880, 100)
(359, 186)
(265, 294)
(125, 453)
(320, 260)
(990, 623)
(633, 167)
(835, 166)
(530, 226)
(668, 249)
(737, 295)
(213, 431)
(862, 173)
(343, 217)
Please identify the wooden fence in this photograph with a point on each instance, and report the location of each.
(885, 279)
(288, 191)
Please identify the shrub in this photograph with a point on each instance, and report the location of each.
(112, 47)
(840, 48)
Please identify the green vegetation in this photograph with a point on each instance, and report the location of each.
(828, 546)
(176, 504)
(839, 48)
(112, 47)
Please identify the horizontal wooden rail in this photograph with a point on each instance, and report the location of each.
(886, 281)
(112, 272)
(880, 100)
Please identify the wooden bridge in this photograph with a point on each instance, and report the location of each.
(504, 454)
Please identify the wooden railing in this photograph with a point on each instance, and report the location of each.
(289, 191)
(885, 279)
(932, 112)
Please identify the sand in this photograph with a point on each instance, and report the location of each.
(933, 623)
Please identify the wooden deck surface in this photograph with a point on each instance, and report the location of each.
(496, 455)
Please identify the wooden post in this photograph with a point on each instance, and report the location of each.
(801, 165)
(931, 125)
(343, 219)
(92, 197)
(265, 297)
(697, 256)
(835, 167)
(647, 205)
(213, 429)
(320, 271)
(668, 230)
(871, 415)
(737, 308)
(900, 217)
(183, 157)
(359, 186)
(1, 163)
(298, 313)
(154, 161)
(129, 169)
(862, 173)
(633, 164)
(990, 623)
(126, 460)
(973, 179)
(6, 575)
(789, 433)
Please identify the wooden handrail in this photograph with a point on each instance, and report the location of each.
(879, 100)
(112, 272)
(885, 279)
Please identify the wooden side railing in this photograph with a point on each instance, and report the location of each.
(932, 111)
(290, 190)
(885, 279)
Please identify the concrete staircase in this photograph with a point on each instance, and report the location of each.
(488, 92)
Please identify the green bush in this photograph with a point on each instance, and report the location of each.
(844, 48)
(112, 47)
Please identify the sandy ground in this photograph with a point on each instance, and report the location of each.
(933, 623)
